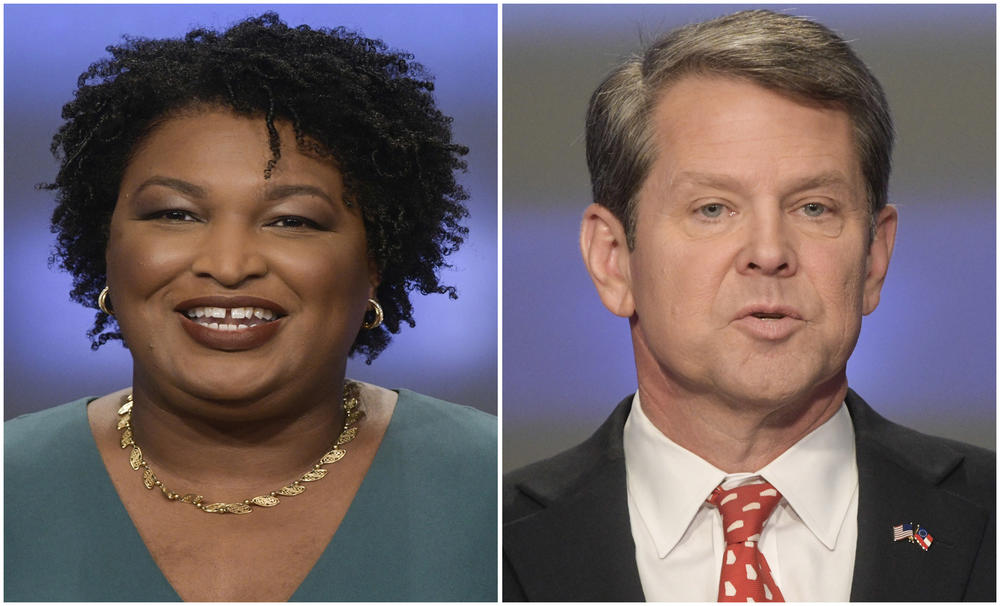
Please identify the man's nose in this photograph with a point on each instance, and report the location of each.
(769, 245)
(229, 253)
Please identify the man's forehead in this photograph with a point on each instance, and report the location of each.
(693, 101)
(711, 130)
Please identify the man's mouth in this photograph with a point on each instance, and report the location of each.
(231, 318)
(768, 316)
(769, 322)
(764, 311)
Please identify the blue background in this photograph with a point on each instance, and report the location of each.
(452, 352)
(926, 357)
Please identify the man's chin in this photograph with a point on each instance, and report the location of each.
(788, 390)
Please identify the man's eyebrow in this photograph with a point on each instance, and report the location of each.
(278, 192)
(727, 182)
(716, 180)
(825, 179)
(184, 187)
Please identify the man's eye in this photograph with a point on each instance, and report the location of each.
(814, 209)
(712, 211)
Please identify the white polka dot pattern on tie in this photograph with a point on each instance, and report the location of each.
(745, 575)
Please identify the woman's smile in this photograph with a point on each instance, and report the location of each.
(231, 323)
(239, 317)
(232, 334)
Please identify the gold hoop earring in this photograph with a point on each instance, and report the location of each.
(378, 315)
(102, 301)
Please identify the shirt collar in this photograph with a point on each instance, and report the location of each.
(818, 476)
(668, 484)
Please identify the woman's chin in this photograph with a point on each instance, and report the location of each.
(221, 403)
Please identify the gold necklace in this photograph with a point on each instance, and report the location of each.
(347, 433)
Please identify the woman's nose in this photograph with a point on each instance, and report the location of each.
(229, 253)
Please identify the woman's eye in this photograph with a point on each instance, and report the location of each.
(294, 222)
(174, 215)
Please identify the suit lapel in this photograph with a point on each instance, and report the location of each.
(579, 546)
(899, 475)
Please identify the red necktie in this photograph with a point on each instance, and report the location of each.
(745, 574)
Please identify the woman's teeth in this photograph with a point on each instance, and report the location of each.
(240, 318)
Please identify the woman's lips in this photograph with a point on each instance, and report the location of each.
(230, 323)
(234, 337)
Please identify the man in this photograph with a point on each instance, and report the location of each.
(740, 222)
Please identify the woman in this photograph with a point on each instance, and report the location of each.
(247, 209)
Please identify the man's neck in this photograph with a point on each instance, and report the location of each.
(731, 435)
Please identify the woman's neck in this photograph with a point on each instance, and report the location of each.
(194, 446)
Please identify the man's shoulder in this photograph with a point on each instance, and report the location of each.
(947, 487)
(941, 453)
(962, 469)
(563, 475)
(566, 530)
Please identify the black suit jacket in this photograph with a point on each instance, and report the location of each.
(567, 537)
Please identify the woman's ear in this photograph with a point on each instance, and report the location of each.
(606, 255)
(374, 278)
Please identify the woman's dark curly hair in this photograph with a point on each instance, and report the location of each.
(346, 96)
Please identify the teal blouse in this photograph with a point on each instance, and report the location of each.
(421, 528)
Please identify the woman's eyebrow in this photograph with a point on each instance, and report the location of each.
(184, 187)
(278, 192)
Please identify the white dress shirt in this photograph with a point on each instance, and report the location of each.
(809, 540)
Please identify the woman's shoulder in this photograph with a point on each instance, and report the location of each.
(55, 443)
(45, 429)
(457, 429)
(431, 409)
(442, 433)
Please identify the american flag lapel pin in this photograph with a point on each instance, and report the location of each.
(902, 531)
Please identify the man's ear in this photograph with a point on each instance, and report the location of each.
(606, 255)
(879, 255)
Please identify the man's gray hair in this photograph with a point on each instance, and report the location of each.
(788, 54)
